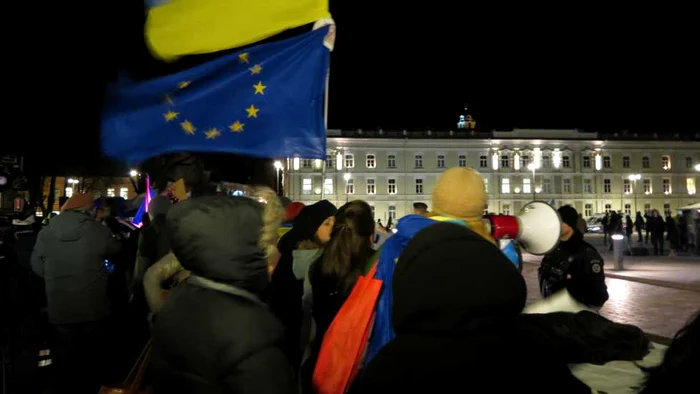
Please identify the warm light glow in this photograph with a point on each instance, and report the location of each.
(133, 173)
(317, 190)
(538, 189)
(690, 185)
(72, 181)
(295, 164)
(516, 190)
(598, 162)
(532, 166)
(697, 167)
(537, 157)
(556, 158)
(494, 161)
(617, 237)
(339, 161)
(634, 177)
(278, 165)
(318, 163)
(516, 161)
(346, 176)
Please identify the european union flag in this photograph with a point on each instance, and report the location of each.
(265, 101)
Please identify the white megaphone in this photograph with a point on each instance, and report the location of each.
(537, 228)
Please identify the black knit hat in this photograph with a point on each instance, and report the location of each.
(449, 279)
(311, 217)
(569, 215)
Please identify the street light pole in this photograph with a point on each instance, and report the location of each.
(533, 167)
(346, 176)
(278, 167)
(634, 178)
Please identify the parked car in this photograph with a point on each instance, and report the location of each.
(594, 224)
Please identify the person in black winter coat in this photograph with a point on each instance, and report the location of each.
(214, 334)
(639, 226)
(574, 265)
(312, 227)
(657, 226)
(457, 301)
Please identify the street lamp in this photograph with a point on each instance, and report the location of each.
(278, 166)
(634, 178)
(133, 173)
(72, 182)
(697, 167)
(347, 176)
(533, 167)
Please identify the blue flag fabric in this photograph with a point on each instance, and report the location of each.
(265, 101)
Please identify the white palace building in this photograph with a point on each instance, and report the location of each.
(595, 173)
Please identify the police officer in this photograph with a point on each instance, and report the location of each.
(574, 265)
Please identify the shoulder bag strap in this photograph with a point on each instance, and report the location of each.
(224, 288)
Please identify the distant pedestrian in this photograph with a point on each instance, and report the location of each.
(605, 222)
(657, 227)
(639, 226)
(629, 227)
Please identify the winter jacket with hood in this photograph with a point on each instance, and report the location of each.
(70, 254)
(457, 300)
(205, 339)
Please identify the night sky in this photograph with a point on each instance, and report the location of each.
(405, 66)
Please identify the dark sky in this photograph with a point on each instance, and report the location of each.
(404, 66)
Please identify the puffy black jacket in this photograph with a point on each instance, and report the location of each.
(211, 341)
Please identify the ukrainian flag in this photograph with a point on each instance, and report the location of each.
(176, 28)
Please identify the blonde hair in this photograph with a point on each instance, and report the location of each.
(272, 217)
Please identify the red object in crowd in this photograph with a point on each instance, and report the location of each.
(291, 211)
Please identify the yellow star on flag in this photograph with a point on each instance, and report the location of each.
(237, 127)
(212, 133)
(183, 84)
(256, 69)
(244, 57)
(170, 116)
(188, 127)
(252, 111)
(260, 88)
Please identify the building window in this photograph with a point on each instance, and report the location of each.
(667, 186)
(124, 192)
(608, 208)
(391, 186)
(328, 186)
(647, 208)
(566, 162)
(440, 161)
(419, 186)
(566, 186)
(690, 185)
(486, 184)
(110, 192)
(546, 161)
(645, 162)
(505, 209)
(588, 210)
(391, 161)
(666, 162)
(546, 186)
(392, 212)
(586, 162)
(350, 186)
(462, 161)
(483, 162)
(587, 186)
(306, 163)
(69, 192)
(607, 163)
(625, 162)
(628, 209)
(306, 186)
(626, 186)
(647, 186)
(371, 189)
(329, 162)
(606, 186)
(667, 209)
(688, 162)
(371, 161)
(505, 185)
(527, 186)
(349, 160)
(525, 161)
(505, 161)
(419, 161)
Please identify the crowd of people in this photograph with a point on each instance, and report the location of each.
(683, 235)
(240, 294)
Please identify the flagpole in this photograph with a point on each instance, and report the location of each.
(325, 123)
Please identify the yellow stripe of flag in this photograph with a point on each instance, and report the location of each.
(186, 27)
